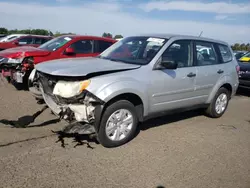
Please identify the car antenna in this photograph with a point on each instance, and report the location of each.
(200, 33)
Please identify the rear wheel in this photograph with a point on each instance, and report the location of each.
(118, 124)
(219, 104)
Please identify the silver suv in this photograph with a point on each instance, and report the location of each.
(136, 78)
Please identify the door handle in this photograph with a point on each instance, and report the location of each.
(220, 71)
(191, 75)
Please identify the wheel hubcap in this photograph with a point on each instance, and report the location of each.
(221, 103)
(119, 125)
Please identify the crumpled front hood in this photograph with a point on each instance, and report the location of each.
(81, 66)
(24, 51)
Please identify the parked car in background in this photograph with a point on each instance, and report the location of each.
(17, 63)
(26, 40)
(239, 54)
(2, 36)
(245, 58)
(244, 74)
(137, 78)
(11, 37)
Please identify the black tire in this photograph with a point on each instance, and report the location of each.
(211, 111)
(8, 79)
(103, 138)
(18, 86)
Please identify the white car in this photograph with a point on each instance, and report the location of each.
(11, 37)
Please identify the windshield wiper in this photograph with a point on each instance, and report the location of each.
(117, 60)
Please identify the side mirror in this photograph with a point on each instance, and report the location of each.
(69, 51)
(16, 43)
(167, 63)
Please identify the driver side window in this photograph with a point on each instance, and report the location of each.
(180, 52)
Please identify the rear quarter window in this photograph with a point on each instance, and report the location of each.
(225, 53)
(103, 45)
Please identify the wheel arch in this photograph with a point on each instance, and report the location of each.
(221, 84)
(129, 96)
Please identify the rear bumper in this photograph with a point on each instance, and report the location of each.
(244, 83)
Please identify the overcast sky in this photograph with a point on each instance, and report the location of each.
(225, 20)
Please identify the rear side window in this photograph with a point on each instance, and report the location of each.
(38, 40)
(45, 40)
(103, 45)
(225, 53)
(205, 54)
(26, 40)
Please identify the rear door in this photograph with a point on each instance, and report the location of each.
(209, 68)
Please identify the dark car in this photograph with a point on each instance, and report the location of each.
(239, 54)
(244, 75)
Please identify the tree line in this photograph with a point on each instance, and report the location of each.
(243, 47)
(236, 46)
(47, 32)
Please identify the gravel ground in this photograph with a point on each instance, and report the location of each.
(183, 150)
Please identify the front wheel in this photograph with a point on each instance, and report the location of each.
(118, 124)
(219, 104)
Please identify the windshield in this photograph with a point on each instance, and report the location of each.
(55, 43)
(247, 55)
(135, 50)
(238, 55)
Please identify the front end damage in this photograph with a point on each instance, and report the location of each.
(16, 71)
(84, 108)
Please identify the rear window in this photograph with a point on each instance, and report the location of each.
(225, 53)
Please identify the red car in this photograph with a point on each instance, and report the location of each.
(26, 40)
(17, 63)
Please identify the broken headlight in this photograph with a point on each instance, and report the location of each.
(70, 89)
(32, 75)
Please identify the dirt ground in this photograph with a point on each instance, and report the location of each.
(183, 150)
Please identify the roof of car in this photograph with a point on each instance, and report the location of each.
(45, 36)
(88, 36)
(168, 36)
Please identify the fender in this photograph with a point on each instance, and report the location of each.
(119, 87)
(223, 80)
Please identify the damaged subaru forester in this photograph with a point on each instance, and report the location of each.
(137, 78)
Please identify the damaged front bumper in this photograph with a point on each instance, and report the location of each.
(85, 108)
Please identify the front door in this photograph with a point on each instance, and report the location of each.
(172, 89)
